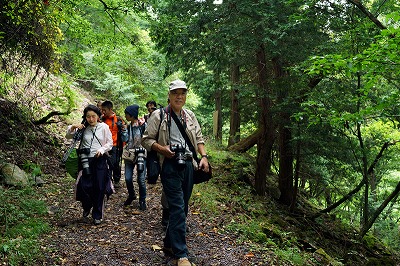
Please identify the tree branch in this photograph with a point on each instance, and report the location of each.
(44, 120)
(378, 211)
(362, 8)
(361, 184)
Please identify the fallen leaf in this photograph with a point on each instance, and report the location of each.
(155, 247)
(249, 255)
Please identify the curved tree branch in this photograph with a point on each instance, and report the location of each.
(45, 119)
(362, 8)
(361, 184)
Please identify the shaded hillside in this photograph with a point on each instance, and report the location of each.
(22, 141)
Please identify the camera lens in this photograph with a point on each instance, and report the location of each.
(85, 165)
(140, 164)
(140, 152)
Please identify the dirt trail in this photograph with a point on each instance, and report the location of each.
(128, 236)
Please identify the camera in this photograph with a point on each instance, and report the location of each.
(83, 154)
(179, 153)
(140, 153)
(119, 124)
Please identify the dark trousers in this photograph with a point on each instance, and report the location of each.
(115, 173)
(177, 185)
(91, 189)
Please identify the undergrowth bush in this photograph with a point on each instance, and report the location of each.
(229, 203)
(21, 224)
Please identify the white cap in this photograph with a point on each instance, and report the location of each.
(177, 84)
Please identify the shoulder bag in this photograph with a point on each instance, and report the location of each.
(153, 163)
(128, 154)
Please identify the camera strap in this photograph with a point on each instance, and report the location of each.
(184, 135)
(161, 119)
(91, 142)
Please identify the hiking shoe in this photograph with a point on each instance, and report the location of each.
(86, 213)
(97, 221)
(142, 206)
(129, 200)
(184, 262)
(168, 251)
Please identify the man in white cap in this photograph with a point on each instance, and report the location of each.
(177, 163)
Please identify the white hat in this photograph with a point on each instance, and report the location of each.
(177, 84)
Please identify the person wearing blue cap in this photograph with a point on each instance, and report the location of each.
(133, 136)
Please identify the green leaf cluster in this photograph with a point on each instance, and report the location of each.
(30, 29)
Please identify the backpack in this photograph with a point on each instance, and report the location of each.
(153, 163)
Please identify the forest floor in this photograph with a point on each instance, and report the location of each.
(128, 236)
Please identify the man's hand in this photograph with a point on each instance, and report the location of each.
(204, 164)
(165, 150)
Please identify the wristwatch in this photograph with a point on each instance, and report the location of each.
(204, 156)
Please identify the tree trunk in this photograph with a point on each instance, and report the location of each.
(218, 107)
(285, 137)
(285, 163)
(297, 171)
(234, 132)
(378, 211)
(266, 126)
(245, 144)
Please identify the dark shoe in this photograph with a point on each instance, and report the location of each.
(168, 251)
(129, 200)
(97, 221)
(85, 213)
(142, 205)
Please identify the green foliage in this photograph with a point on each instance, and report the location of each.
(248, 229)
(21, 251)
(351, 115)
(110, 52)
(51, 93)
(32, 168)
(228, 204)
(114, 87)
(292, 255)
(30, 29)
(370, 240)
(22, 225)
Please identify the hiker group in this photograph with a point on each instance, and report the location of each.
(164, 143)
